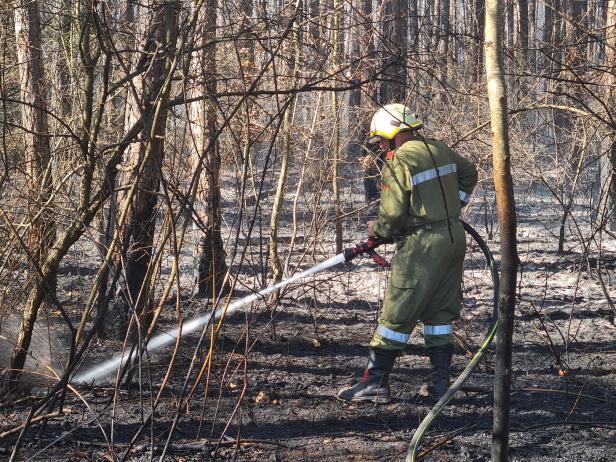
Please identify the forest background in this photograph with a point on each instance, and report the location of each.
(159, 156)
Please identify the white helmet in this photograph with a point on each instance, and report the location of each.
(392, 119)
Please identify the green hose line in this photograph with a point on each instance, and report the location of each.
(463, 377)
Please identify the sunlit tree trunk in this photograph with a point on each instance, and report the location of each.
(37, 156)
(210, 263)
(503, 184)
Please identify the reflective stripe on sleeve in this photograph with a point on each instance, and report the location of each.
(445, 329)
(392, 334)
(464, 197)
(431, 174)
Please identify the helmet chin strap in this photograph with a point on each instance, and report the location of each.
(392, 144)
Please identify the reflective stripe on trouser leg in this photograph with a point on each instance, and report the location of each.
(392, 335)
(398, 318)
(438, 335)
(445, 329)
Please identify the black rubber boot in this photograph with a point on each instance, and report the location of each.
(374, 385)
(440, 358)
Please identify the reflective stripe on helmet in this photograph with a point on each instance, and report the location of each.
(431, 174)
(445, 329)
(389, 334)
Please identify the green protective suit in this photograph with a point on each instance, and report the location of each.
(427, 267)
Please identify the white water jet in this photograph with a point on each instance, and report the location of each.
(102, 370)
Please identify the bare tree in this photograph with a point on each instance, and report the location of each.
(503, 184)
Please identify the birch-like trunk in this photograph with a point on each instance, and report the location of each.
(507, 221)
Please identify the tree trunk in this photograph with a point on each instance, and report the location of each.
(608, 165)
(413, 24)
(37, 157)
(442, 48)
(532, 34)
(507, 222)
(277, 269)
(210, 263)
(336, 61)
(366, 48)
(395, 33)
(157, 25)
(37, 152)
(477, 51)
(355, 132)
(107, 219)
(62, 86)
(509, 33)
(522, 47)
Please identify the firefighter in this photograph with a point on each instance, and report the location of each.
(424, 185)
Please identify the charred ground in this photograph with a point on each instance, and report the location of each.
(270, 393)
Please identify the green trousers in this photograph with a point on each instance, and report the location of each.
(424, 287)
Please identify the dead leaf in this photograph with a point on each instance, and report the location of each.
(261, 397)
(316, 343)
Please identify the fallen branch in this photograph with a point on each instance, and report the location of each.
(17, 429)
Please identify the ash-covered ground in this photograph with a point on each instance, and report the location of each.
(270, 391)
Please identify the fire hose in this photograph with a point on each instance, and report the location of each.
(368, 248)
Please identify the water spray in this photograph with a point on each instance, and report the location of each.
(102, 370)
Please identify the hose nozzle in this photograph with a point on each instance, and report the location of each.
(367, 247)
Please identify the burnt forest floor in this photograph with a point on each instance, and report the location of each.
(270, 391)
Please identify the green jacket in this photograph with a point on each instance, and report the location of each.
(410, 192)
